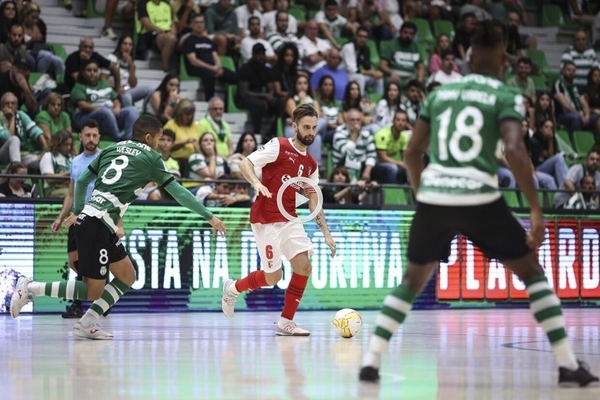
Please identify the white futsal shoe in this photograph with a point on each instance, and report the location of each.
(285, 327)
(229, 299)
(20, 297)
(93, 332)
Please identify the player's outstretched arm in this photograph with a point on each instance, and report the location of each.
(81, 189)
(413, 156)
(313, 204)
(66, 208)
(187, 199)
(247, 170)
(520, 165)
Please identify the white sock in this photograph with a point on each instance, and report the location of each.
(282, 321)
(564, 355)
(233, 290)
(372, 359)
(88, 319)
(36, 288)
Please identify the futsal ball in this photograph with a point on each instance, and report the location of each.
(347, 323)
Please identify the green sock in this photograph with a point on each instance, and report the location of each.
(546, 309)
(111, 294)
(70, 290)
(395, 307)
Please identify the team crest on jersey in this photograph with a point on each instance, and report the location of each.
(103, 271)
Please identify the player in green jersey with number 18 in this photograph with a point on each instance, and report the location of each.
(120, 172)
(464, 123)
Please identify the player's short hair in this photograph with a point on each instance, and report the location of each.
(414, 83)
(400, 111)
(446, 53)
(90, 123)
(525, 60)
(488, 34)
(331, 3)
(566, 63)
(169, 133)
(146, 125)
(409, 25)
(304, 110)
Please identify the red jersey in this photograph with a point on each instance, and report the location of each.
(280, 161)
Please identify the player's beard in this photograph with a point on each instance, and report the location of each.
(305, 140)
(91, 146)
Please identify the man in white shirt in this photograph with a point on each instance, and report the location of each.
(314, 47)
(356, 60)
(249, 41)
(332, 24)
(244, 12)
(446, 73)
(270, 24)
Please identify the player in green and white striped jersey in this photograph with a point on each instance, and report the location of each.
(121, 172)
(464, 123)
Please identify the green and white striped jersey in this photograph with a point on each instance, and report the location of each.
(465, 140)
(123, 170)
(355, 156)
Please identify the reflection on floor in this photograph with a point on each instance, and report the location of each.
(442, 355)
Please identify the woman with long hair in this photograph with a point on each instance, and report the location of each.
(388, 105)
(52, 118)
(205, 165)
(8, 17)
(353, 99)
(94, 98)
(543, 109)
(329, 105)
(164, 99)
(55, 165)
(15, 186)
(592, 96)
(186, 132)
(299, 94)
(245, 146)
(286, 70)
(548, 161)
(129, 89)
(442, 44)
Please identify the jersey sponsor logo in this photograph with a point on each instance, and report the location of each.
(98, 199)
(451, 182)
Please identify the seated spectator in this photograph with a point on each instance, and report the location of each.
(157, 30)
(513, 22)
(353, 148)
(285, 71)
(52, 118)
(373, 15)
(124, 8)
(543, 109)
(401, 60)
(164, 99)
(186, 132)
(501, 9)
(245, 146)
(342, 194)
(254, 36)
(333, 25)
(462, 41)
(129, 90)
(582, 56)
(255, 90)
(222, 194)
(329, 106)
(586, 198)
(353, 100)
(356, 59)
(315, 48)
(281, 35)
(15, 186)
(332, 68)
(242, 195)
(55, 165)
(387, 106)
(94, 98)
(184, 12)
(243, 14)
(35, 41)
(165, 144)
(571, 109)
(475, 7)
(592, 98)
(153, 192)
(442, 44)
(8, 17)
(18, 133)
(205, 165)
(446, 74)
(15, 81)
(575, 174)
(215, 124)
(578, 14)
(522, 80)
(13, 49)
(390, 143)
(413, 101)
(546, 156)
(86, 52)
(201, 59)
(303, 94)
(222, 26)
(269, 18)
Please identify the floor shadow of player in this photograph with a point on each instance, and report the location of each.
(287, 348)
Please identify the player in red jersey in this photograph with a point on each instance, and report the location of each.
(282, 159)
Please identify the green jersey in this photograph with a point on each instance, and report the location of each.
(465, 141)
(123, 170)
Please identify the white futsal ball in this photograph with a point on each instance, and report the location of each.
(347, 323)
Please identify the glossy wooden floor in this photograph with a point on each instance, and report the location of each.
(470, 354)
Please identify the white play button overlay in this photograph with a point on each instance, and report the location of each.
(299, 198)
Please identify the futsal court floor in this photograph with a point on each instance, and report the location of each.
(442, 355)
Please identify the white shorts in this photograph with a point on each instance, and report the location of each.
(273, 240)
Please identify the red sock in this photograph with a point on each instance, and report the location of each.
(254, 280)
(293, 295)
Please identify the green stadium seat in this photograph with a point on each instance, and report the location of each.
(424, 55)
(539, 81)
(553, 16)
(583, 141)
(59, 50)
(105, 143)
(228, 63)
(375, 97)
(183, 75)
(541, 200)
(423, 31)
(34, 76)
(231, 107)
(312, 14)
(280, 127)
(511, 198)
(375, 60)
(563, 136)
(443, 27)
(299, 12)
(394, 196)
